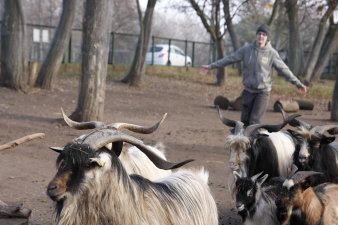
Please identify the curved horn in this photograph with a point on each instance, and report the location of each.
(301, 175)
(136, 128)
(271, 128)
(81, 125)
(278, 127)
(323, 128)
(251, 128)
(103, 137)
(98, 124)
(57, 149)
(231, 123)
(295, 122)
(254, 177)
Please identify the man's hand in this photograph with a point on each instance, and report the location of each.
(303, 90)
(204, 70)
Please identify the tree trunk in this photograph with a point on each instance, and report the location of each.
(51, 65)
(231, 30)
(295, 48)
(136, 71)
(95, 45)
(316, 47)
(14, 63)
(334, 105)
(329, 45)
(214, 30)
(220, 72)
(274, 13)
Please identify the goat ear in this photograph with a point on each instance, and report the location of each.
(236, 175)
(99, 161)
(327, 140)
(261, 180)
(57, 149)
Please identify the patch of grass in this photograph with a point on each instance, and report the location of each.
(322, 89)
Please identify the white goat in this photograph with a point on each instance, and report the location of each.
(134, 160)
(92, 187)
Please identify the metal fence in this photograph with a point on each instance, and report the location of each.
(122, 47)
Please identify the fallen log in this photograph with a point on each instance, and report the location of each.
(286, 105)
(17, 211)
(22, 140)
(304, 104)
(236, 104)
(222, 102)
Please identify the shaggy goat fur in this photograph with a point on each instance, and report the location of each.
(100, 192)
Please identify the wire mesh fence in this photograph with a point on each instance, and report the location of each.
(122, 47)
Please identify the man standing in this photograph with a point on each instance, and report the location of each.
(258, 58)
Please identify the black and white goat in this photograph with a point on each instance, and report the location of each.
(255, 203)
(134, 160)
(92, 187)
(316, 151)
(270, 151)
(259, 202)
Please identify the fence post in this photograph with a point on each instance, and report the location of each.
(193, 54)
(70, 50)
(185, 51)
(111, 60)
(152, 49)
(169, 63)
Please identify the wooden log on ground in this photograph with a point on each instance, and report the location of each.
(286, 105)
(222, 102)
(22, 140)
(14, 210)
(236, 104)
(304, 104)
(14, 221)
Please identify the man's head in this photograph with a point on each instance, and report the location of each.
(262, 35)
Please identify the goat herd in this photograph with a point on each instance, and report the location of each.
(279, 177)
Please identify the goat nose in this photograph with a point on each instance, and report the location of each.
(51, 187)
(51, 190)
(240, 207)
(302, 159)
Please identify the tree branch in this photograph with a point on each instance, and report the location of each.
(22, 140)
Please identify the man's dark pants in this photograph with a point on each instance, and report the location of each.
(254, 107)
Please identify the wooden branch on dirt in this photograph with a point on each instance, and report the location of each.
(17, 211)
(22, 140)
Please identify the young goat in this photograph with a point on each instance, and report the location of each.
(318, 205)
(92, 187)
(255, 203)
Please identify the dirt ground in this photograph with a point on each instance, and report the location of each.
(192, 129)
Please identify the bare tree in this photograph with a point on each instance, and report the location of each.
(295, 52)
(211, 20)
(314, 54)
(329, 45)
(136, 70)
(334, 106)
(51, 65)
(13, 47)
(95, 45)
